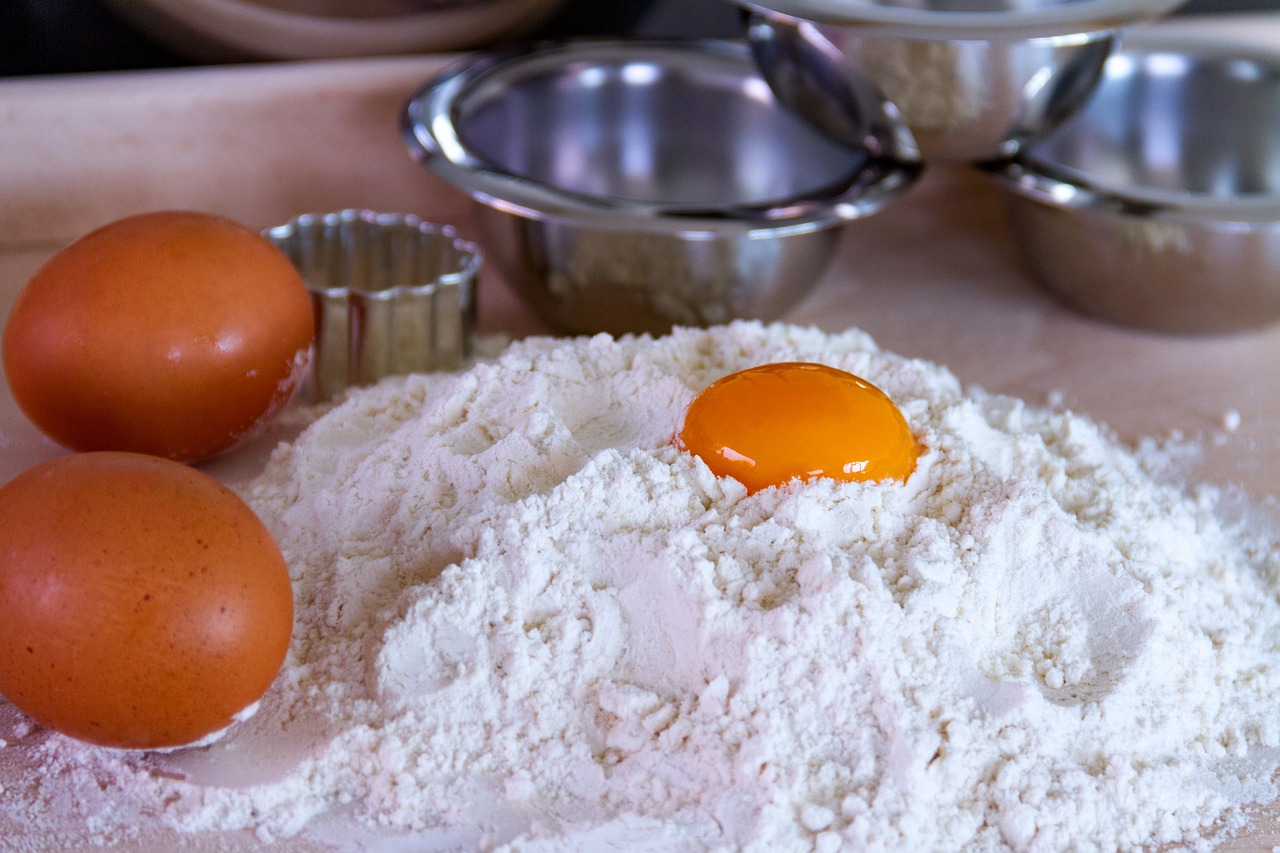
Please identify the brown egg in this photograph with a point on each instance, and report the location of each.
(142, 604)
(172, 333)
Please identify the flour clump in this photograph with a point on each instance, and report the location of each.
(527, 620)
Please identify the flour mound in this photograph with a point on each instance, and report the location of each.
(527, 621)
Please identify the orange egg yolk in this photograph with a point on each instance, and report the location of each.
(768, 425)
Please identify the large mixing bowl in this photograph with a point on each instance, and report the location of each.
(944, 80)
(1159, 205)
(627, 186)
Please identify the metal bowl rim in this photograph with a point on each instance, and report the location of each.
(1061, 185)
(1063, 192)
(428, 128)
(1081, 18)
(470, 255)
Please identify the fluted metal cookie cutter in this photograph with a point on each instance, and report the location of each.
(392, 294)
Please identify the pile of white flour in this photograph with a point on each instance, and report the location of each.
(526, 619)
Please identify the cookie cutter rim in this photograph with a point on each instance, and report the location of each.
(392, 293)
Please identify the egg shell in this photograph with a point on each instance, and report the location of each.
(142, 603)
(174, 333)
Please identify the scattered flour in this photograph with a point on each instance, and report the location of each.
(527, 622)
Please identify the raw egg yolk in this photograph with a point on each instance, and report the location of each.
(768, 425)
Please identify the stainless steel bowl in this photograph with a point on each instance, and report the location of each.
(240, 30)
(628, 186)
(1159, 205)
(943, 80)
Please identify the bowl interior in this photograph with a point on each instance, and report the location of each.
(664, 125)
(1203, 122)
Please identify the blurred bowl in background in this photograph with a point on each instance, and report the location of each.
(628, 185)
(1158, 206)
(944, 80)
(246, 30)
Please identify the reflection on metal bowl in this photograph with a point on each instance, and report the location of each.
(626, 186)
(946, 80)
(1159, 205)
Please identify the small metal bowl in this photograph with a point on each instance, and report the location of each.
(392, 294)
(629, 186)
(938, 80)
(1159, 205)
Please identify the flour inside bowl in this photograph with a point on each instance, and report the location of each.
(526, 620)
